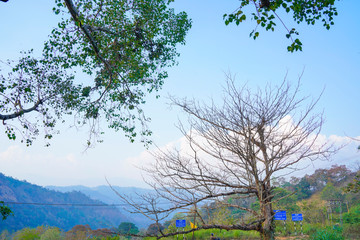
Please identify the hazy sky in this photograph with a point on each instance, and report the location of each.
(330, 60)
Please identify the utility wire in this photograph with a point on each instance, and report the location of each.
(66, 204)
(70, 204)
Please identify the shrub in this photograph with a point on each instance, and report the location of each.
(310, 229)
(353, 216)
(329, 233)
(51, 234)
(29, 233)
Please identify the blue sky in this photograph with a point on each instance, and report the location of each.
(330, 60)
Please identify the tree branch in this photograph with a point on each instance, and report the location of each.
(21, 112)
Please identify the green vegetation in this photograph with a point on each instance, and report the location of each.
(353, 216)
(310, 195)
(5, 210)
(353, 186)
(29, 233)
(127, 229)
(124, 49)
(328, 233)
(78, 232)
(312, 198)
(205, 234)
(268, 14)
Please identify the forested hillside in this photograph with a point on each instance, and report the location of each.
(53, 208)
(107, 195)
(322, 198)
(316, 196)
(328, 209)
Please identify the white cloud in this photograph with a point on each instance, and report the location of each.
(11, 154)
(65, 168)
(347, 153)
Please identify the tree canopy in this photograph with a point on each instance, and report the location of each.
(5, 211)
(353, 186)
(127, 228)
(268, 13)
(123, 47)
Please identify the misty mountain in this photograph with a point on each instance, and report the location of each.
(103, 193)
(109, 196)
(33, 206)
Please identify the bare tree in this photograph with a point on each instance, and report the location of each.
(235, 150)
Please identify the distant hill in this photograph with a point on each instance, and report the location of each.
(107, 195)
(103, 193)
(53, 214)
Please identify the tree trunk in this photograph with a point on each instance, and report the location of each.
(267, 234)
(267, 229)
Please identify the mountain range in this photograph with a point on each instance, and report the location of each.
(109, 195)
(63, 207)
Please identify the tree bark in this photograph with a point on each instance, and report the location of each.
(22, 111)
(267, 230)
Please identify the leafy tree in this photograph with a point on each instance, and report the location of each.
(52, 234)
(338, 173)
(128, 228)
(123, 46)
(154, 229)
(285, 200)
(354, 186)
(268, 13)
(79, 232)
(335, 175)
(5, 210)
(29, 233)
(331, 193)
(313, 211)
(102, 233)
(302, 189)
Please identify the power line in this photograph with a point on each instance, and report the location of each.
(71, 204)
(66, 204)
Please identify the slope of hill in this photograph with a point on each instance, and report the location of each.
(107, 195)
(53, 208)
